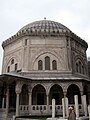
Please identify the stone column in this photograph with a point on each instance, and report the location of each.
(53, 108)
(3, 100)
(66, 106)
(30, 102)
(84, 103)
(17, 104)
(76, 106)
(89, 111)
(63, 106)
(18, 91)
(47, 103)
(7, 102)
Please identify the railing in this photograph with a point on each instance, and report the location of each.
(24, 109)
(39, 109)
(44, 109)
(58, 109)
(80, 109)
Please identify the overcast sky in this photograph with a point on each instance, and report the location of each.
(14, 14)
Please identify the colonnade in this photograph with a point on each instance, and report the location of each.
(65, 102)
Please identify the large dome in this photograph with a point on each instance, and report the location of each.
(44, 26)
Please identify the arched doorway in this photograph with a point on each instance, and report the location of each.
(56, 92)
(71, 91)
(24, 97)
(38, 95)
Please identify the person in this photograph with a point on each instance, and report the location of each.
(72, 114)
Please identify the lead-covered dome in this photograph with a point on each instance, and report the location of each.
(44, 26)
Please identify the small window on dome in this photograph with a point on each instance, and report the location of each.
(58, 31)
(53, 31)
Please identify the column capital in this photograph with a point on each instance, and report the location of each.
(65, 93)
(81, 93)
(30, 93)
(18, 90)
(47, 94)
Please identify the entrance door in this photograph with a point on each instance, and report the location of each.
(40, 99)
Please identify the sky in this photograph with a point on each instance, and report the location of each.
(74, 14)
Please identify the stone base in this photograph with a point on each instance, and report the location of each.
(56, 118)
(80, 118)
(51, 119)
(84, 118)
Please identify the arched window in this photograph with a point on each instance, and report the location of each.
(25, 41)
(40, 65)
(47, 63)
(16, 65)
(76, 67)
(79, 66)
(12, 61)
(8, 69)
(54, 65)
(83, 69)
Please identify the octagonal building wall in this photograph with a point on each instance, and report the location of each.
(45, 45)
(26, 52)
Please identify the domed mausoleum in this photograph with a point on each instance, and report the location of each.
(42, 61)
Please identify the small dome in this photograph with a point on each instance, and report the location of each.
(44, 26)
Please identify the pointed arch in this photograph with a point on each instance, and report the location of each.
(72, 90)
(24, 97)
(47, 63)
(40, 65)
(38, 95)
(45, 52)
(54, 65)
(56, 92)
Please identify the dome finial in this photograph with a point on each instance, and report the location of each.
(44, 18)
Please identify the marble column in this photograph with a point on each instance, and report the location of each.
(76, 106)
(17, 104)
(89, 111)
(53, 108)
(63, 106)
(7, 102)
(66, 106)
(47, 103)
(3, 101)
(84, 103)
(30, 102)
